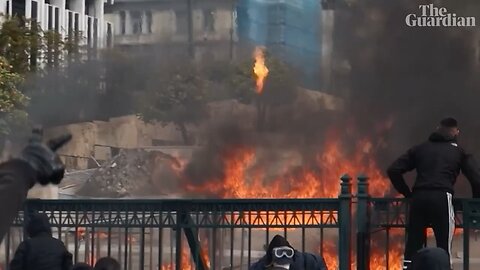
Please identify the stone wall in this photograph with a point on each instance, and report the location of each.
(97, 141)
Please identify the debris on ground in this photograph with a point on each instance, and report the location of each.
(133, 173)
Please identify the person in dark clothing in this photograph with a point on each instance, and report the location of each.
(431, 259)
(82, 266)
(438, 162)
(38, 163)
(41, 251)
(107, 263)
(281, 255)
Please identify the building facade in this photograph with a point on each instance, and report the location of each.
(66, 16)
(203, 28)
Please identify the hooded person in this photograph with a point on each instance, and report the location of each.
(282, 256)
(41, 251)
(431, 259)
(437, 162)
(107, 263)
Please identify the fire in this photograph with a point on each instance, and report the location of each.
(260, 69)
(378, 254)
(243, 177)
(186, 261)
(82, 231)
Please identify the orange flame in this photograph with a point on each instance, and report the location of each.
(260, 69)
(245, 177)
(186, 261)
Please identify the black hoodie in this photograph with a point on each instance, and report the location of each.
(431, 259)
(300, 260)
(438, 162)
(41, 251)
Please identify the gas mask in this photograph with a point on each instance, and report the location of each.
(282, 258)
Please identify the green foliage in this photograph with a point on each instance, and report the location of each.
(15, 44)
(12, 101)
(23, 43)
(174, 94)
(54, 48)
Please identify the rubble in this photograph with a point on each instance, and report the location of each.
(133, 173)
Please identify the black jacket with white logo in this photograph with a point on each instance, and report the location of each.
(438, 162)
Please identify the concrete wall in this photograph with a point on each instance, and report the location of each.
(165, 22)
(95, 141)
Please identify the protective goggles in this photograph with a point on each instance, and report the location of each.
(284, 251)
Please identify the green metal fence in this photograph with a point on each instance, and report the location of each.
(232, 234)
(379, 220)
(207, 234)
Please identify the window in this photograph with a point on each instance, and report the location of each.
(34, 10)
(109, 35)
(70, 23)
(148, 15)
(50, 17)
(18, 8)
(57, 19)
(76, 28)
(122, 22)
(209, 20)
(89, 30)
(136, 17)
(181, 21)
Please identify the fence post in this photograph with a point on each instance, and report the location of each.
(466, 233)
(345, 223)
(363, 224)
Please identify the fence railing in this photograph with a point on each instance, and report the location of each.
(187, 234)
(381, 224)
(233, 233)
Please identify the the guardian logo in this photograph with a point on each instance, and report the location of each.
(431, 16)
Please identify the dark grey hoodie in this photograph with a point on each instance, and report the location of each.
(41, 251)
(431, 259)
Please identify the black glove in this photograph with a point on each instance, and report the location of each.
(43, 159)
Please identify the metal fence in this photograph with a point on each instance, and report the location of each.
(188, 234)
(232, 234)
(381, 224)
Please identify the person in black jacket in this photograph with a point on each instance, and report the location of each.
(282, 256)
(107, 263)
(41, 251)
(38, 163)
(431, 259)
(437, 162)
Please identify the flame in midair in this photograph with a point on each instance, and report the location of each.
(259, 68)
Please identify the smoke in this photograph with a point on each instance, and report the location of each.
(416, 75)
(401, 82)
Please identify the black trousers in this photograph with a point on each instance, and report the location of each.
(429, 208)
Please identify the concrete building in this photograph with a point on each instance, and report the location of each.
(66, 17)
(203, 28)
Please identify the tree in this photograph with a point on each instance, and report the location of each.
(12, 101)
(15, 43)
(176, 93)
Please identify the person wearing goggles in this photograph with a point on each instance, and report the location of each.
(282, 256)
